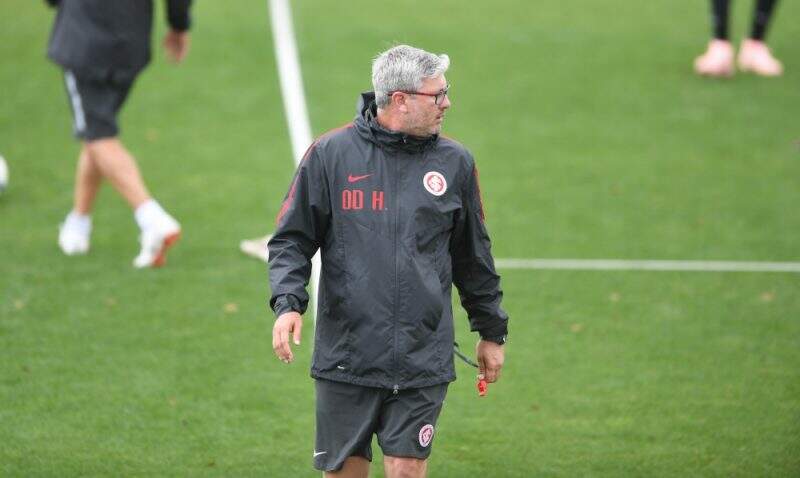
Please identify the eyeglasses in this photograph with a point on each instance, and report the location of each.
(438, 97)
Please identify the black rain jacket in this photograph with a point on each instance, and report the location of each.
(398, 220)
(97, 38)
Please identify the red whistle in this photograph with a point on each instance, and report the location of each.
(482, 388)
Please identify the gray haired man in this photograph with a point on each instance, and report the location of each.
(396, 210)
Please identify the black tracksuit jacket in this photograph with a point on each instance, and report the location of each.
(391, 249)
(96, 38)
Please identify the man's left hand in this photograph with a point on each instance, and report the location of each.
(490, 360)
(176, 45)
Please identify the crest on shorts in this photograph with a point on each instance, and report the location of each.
(426, 435)
(434, 183)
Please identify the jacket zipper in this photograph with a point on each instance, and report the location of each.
(396, 277)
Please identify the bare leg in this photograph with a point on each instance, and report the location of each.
(404, 467)
(118, 166)
(74, 233)
(87, 183)
(354, 467)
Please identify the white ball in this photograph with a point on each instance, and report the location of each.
(3, 174)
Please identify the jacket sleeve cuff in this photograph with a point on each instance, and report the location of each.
(496, 331)
(178, 15)
(286, 303)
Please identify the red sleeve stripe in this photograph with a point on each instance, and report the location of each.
(290, 197)
(286, 202)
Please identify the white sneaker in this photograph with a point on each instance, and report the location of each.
(755, 57)
(72, 242)
(256, 247)
(155, 241)
(717, 61)
(74, 233)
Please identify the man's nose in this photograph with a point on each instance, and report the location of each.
(445, 103)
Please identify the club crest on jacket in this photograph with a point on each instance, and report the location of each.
(434, 183)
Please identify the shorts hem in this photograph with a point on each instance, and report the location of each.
(96, 136)
(338, 466)
(407, 454)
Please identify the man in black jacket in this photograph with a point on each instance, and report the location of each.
(102, 45)
(395, 209)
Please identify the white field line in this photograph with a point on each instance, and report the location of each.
(647, 265)
(294, 102)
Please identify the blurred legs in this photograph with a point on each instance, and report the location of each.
(87, 183)
(118, 166)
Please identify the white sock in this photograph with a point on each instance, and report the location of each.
(80, 223)
(149, 213)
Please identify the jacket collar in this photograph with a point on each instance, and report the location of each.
(367, 126)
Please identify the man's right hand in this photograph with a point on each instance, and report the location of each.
(289, 323)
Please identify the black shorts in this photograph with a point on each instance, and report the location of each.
(95, 102)
(348, 415)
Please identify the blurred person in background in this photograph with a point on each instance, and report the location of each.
(102, 45)
(754, 55)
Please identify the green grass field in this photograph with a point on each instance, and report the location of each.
(594, 139)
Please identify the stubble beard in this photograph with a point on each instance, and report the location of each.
(431, 128)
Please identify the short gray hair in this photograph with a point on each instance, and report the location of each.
(404, 67)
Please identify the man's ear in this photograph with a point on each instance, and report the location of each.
(400, 101)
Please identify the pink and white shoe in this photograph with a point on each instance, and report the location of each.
(256, 247)
(755, 57)
(717, 61)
